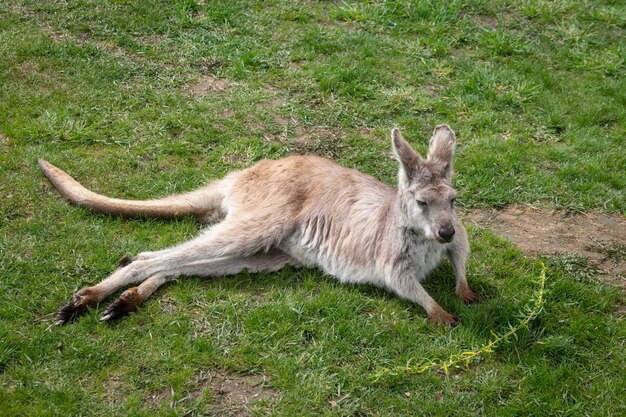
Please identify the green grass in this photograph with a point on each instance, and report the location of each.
(535, 89)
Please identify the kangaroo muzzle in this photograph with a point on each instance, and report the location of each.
(445, 234)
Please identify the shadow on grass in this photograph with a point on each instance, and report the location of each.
(492, 312)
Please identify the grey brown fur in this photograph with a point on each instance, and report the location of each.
(303, 211)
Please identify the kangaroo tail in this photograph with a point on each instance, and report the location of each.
(202, 203)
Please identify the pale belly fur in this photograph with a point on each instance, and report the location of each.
(425, 257)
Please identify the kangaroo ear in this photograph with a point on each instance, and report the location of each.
(408, 158)
(441, 150)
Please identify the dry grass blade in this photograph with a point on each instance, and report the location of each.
(455, 360)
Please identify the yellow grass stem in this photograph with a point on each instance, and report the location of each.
(454, 360)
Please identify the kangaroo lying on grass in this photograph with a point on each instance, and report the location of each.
(303, 211)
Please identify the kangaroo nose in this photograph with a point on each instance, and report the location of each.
(446, 233)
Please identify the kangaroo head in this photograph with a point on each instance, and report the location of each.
(424, 185)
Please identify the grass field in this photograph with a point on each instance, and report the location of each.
(145, 98)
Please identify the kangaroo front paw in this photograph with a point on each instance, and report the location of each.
(467, 295)
(128, 302)
(442, 317)
(83, 299)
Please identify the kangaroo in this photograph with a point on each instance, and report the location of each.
(301, 211)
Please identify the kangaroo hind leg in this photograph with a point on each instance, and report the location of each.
(228, 239)
(130, 299)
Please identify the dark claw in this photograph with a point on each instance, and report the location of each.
(70, 311)
(455, 321)
(85, 298)
(117, 309)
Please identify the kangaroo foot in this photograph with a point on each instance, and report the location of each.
(128, 302)
(441, 316)
(83, 299)
(467, 295)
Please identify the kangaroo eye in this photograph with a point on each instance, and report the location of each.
(452, 201)
(422, 203)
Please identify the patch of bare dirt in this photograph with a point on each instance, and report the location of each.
(155, 399)
(112, 387)
(228, 113)
(273, 103)
(82, 39)
(282, 120)
(234, 394)
(28, 67)
(349, 26)
(276, 99)
(21, 11)
(482, 20)
(152, 39)
(59, 36)
(47, 79)
(319, 141)
(109, 46)
(487, 21)
(431, 90)
(235, 158)
(4, 141)
(600, 238)
(206, 84)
